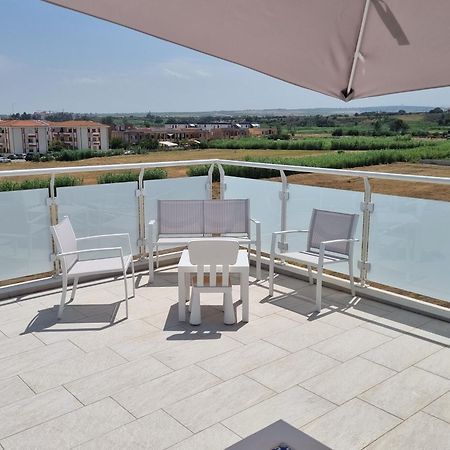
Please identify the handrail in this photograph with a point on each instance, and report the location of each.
(257, 165)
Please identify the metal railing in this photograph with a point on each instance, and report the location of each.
(366, 207)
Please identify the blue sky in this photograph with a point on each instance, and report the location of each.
(55, 59)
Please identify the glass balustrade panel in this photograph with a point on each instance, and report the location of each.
(265, 203)
(25, 242)
(409, 246)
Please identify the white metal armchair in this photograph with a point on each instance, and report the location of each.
(72, 267)
(330, 240)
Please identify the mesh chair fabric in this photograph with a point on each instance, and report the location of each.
(227, 216)
(180, 216)
(66, 241)
(330, 225)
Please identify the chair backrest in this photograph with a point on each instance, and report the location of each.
(213, 253)
(65, 240)
(180, 217)
(330, 225)
(227, 216)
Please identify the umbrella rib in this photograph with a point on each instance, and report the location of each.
(356, 55)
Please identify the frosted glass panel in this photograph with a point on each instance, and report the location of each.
(265, 204)
(189, 188)
(101, 209)
(302, 200)
(25, 244)
(409, 244)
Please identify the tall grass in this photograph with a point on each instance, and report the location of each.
(333, 161)
(343, 143)
(39, 183)
(123, 177)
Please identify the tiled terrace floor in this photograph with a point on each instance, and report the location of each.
(359, 375)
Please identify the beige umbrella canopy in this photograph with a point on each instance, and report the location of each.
(344, 48)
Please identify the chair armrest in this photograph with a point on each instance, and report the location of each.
(92, 250)
(256, 222)
(276, 233)
(100, 236)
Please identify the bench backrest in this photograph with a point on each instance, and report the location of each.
(204, 216)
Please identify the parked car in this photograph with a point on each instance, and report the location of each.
(3, 159)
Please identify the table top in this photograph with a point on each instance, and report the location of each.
(241, 262)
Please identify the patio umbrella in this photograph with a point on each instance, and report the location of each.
(344, 48)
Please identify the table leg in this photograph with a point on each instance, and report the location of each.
(244, 279)
(181, 296)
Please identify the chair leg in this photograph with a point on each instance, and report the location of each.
(126, 292)
(229, 318)
(319, 289)
(133, 278)
(151, 266)
(63, 297)
(195, 317)
(157, 257)
(258, 263)
(310, 275)
(352, 278)
(74, 289)
(271, 270)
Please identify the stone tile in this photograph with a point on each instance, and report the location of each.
(347, 380)
(398, 322)
(296, 406)
(260, 328)
(116, 333)
(18, 345)
(13, 390)
(351, 426)
(196, 350)
(155, 431)
(407, 392)
(72, 429)
(437, 331)
(103, 384)
(303, 336)
(242, 359)
(165, 390)
(292, 369)
(440, 408)
(217, 403)
(62, 372)
(419, 432)
(30, 412)
(216, 437)
(401, 352)
(351, 343)
(437, 363)
(148, 344)
(38, 357)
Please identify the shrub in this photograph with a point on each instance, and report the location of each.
(123, 177)
(39, 183)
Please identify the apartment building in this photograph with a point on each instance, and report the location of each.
(35, 136)
(80, 134)
(23, 136)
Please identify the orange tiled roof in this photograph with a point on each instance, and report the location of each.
(76, 123)
(23, 123)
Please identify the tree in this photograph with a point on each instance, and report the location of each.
(436, 111)
(398, 126)
(337, 132)
(116, 142)
(149, 144)
(108, 120)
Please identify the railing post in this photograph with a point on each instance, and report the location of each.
(284, 197)
(210, 181)
(223, 186)
(141, 214)
(367, 208)
(52, 203)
